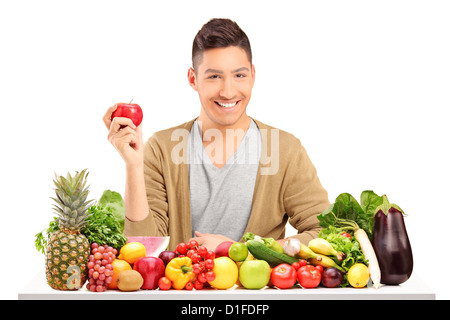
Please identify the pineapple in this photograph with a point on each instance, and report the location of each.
(68, 250)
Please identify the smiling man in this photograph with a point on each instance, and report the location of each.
(224, 173)
(224, 83)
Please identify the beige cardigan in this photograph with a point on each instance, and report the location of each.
(286, 188)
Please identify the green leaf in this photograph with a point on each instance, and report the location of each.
(327, 217)
(115, 201)
(346, 213)
(347, 207)
(103, 228)
(370, 202)
(41, 241)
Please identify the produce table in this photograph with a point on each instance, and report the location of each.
(413, 289)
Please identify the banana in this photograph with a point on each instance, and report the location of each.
(307, 253)
(325, 262)
(322, 246)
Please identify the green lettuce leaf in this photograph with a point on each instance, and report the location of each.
(114, 200)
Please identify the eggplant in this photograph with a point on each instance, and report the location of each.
(392, 247)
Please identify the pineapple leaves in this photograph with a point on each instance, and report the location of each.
(70, 203)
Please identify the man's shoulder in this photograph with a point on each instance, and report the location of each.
(286, 139)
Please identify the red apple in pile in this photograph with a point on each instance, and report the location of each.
(222, 249)
(151, 269)
(129, 110)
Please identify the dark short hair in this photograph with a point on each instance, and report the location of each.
(219, 33)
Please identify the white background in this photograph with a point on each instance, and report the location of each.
(363, 84)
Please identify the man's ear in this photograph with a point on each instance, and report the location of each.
(192, 79)
(253, 75)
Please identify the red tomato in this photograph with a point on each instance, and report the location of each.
(319, 267)
(193, 244)
(189, 285)
(195, 257)
(295, 265)
(345, 234)
(308, 276)
(129, 110)
(210, 276)
(164, 283)
(182, 248)
(283, 276)
(201, 277)
(209, 264)
(190, 253)
(210, 255)
(202, 251)
(302, 262)
(198, 285)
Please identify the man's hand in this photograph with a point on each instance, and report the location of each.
(125, 137)
(210, 241)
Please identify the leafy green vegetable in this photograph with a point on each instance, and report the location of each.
(370, 201)
(347, 213)
(351, 248)
(115, 201)
(103, 228)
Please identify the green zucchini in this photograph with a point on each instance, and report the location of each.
(274, 258)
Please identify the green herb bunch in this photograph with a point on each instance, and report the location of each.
(103, 228)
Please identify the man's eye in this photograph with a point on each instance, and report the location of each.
(214, 76)
(240, 75)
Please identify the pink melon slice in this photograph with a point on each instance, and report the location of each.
(153, 245)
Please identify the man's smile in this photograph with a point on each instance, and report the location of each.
(227, 104)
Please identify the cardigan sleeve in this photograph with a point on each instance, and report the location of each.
(304, 196)
(157, 221)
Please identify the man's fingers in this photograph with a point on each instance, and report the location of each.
(198, 234)
(107, 116)
(118, 123)
(122, 132)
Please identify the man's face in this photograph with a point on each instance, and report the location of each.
(224, 82)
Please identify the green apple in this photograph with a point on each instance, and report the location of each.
(254, 274)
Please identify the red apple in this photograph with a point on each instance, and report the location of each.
(222, 249)
(129, 110)
(151, 269)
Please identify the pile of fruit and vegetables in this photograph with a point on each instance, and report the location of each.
(84, 246)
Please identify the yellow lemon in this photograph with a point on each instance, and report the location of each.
(358, 275)
(131, 252)
(226, 272)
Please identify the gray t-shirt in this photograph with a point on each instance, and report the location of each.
(221, 198)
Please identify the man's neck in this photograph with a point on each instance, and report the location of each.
(232, 136)
(207, 124)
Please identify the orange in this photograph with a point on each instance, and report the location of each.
(118, 266)
(132, 251)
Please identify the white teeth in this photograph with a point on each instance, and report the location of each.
(227, 105)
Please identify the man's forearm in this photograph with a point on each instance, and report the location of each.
(135, 194)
